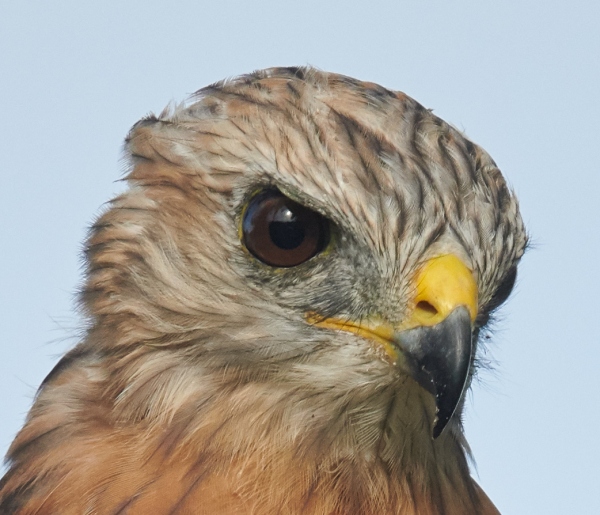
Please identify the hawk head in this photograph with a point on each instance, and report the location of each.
(283, 312)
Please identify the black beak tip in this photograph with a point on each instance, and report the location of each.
(441, 421)
(438, 428)
(449, 391)
(440, 358)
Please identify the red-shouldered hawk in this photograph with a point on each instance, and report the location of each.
(282, 311)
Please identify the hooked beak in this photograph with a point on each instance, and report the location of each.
(436, 339)
(439, 358)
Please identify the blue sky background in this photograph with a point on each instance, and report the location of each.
(521, 78)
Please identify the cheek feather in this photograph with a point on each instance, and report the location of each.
(248, 304)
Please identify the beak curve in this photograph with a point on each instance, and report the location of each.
(434, 344)
(439, 359)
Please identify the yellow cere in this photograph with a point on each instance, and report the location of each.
(442, 284)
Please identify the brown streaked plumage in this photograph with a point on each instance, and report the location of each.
(210, 381)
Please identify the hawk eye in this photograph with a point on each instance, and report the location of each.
(281, 232)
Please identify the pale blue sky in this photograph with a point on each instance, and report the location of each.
(521, 78)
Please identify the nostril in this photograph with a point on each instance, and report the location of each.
(427, 308)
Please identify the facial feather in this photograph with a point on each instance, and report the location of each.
(199, 386)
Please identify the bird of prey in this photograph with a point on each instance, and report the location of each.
(282, 313)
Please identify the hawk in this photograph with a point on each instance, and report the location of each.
(282, 313)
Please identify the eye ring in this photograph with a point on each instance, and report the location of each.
(282, 233)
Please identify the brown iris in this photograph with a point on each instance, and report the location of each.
(281, 232)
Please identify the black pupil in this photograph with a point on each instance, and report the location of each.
(285, 230)
(281, 232)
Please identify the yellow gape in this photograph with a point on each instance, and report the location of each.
(442, 284)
